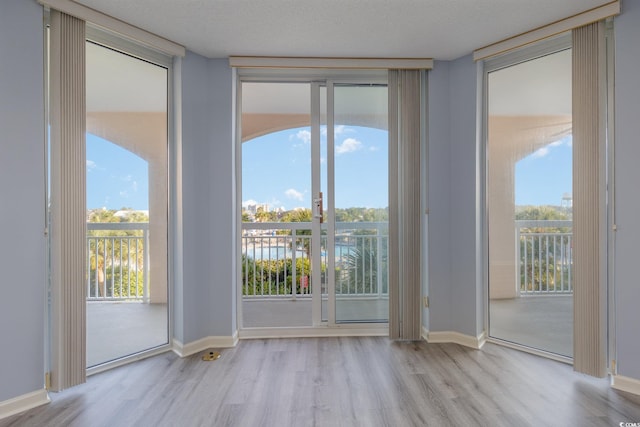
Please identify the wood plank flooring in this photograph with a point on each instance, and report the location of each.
(340, 382)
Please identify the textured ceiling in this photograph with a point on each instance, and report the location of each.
(440, 29)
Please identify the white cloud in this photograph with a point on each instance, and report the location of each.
(134, 186)
(294, 194)
(249, 202)
(91, 165)
(540, 153)
(349, 145)
(124, 194)
(304, 136)
(337, 130)
(372, 148)
(544, 151)
(274, 202)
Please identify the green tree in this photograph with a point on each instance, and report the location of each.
(362, 214)
(299, 215)
(541, 213)
(274, 277)
(103, 215)
(116, 257)
(263, 215)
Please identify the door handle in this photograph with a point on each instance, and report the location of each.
(317, 207)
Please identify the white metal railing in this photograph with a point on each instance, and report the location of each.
(117, 261)
(276, 260)
(544, 257)
(361, 259)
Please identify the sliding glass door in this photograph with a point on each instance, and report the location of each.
(126, 178)
(360, 202)
(529, 202)
(276, 242)
(314, 199)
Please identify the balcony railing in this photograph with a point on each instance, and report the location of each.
(276, 260)
(117, 261)
(545, 257)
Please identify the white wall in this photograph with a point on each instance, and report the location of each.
(22, 199)
(627, 177)
(221, 267)
(455, 292)
(207, 291)
(438, 316)
(463, 176)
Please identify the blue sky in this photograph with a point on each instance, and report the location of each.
(277, 168)
(276, 171)
(544, 176)
(116, 177)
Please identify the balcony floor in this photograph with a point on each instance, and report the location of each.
(262, 313)
(115, 330)
(119, 329)
(543, 322)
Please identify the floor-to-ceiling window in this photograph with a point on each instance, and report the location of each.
(127, 193)
(529, 198)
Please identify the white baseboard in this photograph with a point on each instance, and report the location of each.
(630, 385)
(184, 350)
(316, 332)
(23, 403)
(454, 337)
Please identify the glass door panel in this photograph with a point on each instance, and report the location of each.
(276, 243)
(127, 293)
(325, 265)
(359, 155)
(529, 172)
(315, 204)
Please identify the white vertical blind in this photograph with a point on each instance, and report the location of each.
(589, 317)
(404, 204)
(68, 205)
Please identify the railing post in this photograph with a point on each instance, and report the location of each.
(88, 267)
(379, 259)
(145, 270)
(519, 262)
(294, 268)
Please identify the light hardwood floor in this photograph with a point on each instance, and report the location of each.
(340, 382)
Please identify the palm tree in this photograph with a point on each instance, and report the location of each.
(365, 270)
(116, 255)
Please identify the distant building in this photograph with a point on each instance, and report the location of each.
(567, 201)
(254, 208)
